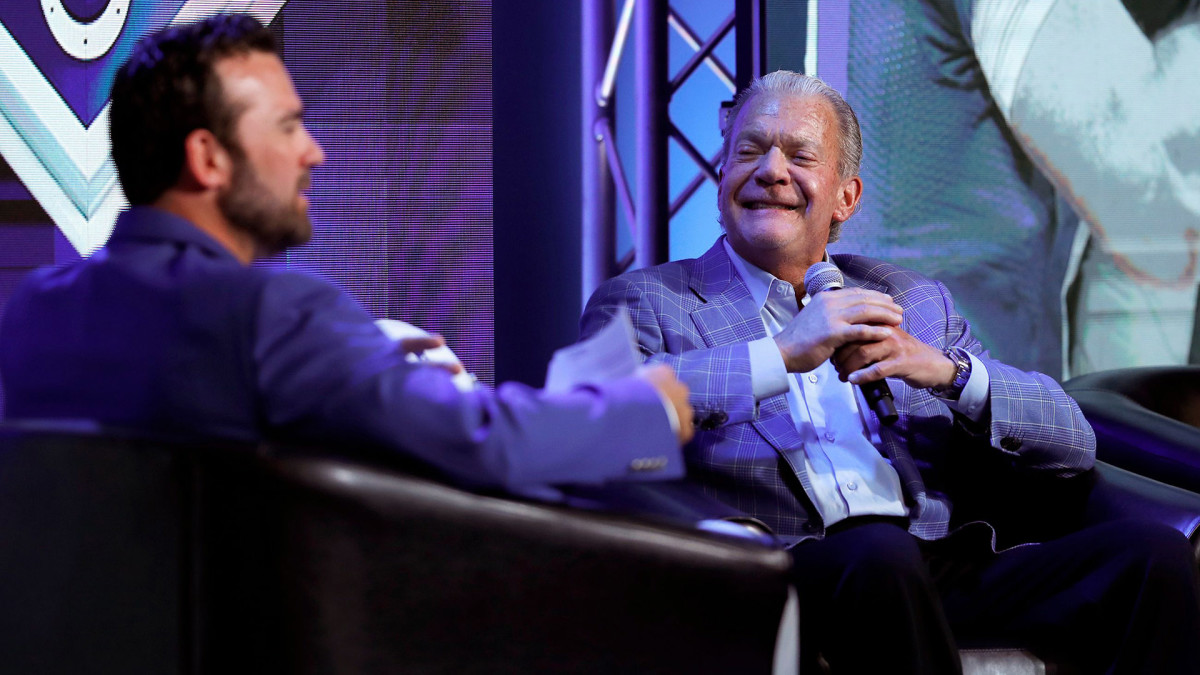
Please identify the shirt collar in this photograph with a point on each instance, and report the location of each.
(149, 224)
(758, 281)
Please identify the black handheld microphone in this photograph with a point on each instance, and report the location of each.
(825, 276)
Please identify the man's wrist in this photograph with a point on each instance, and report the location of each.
(962, 373)
(768, 373)
(669, 408)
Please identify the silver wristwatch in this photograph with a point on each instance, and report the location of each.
(962, 364)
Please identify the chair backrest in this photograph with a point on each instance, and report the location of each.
(94, 551)
(1170, 391)
(133, 555)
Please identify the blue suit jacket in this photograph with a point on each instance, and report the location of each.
(165, 330)
(698, 316)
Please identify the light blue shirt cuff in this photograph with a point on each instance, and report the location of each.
(768, 375)
(672, 414)
(973, 402)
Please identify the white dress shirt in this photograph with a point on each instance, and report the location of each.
(849, 476)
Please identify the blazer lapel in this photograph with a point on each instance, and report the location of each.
(729, 315)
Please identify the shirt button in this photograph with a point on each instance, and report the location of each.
(812, 377)
(830, 436)
(851, 485)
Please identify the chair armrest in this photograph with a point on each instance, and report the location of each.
(1147, 420)
(1118, 494)
(1141, 440)
(681, 503)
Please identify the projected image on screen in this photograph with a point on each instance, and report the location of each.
(398, 93)
(1042, 158)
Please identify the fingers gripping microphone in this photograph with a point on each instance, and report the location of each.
(825, 276)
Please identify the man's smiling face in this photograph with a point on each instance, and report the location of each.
(781, 187)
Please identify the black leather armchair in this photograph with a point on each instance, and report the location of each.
(1147, 420)
(132, 555)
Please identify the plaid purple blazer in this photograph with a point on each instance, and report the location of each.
(697, 315)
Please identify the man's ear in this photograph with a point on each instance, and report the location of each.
(206, 162)
(851, 192)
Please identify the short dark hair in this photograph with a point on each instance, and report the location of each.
(169, 88)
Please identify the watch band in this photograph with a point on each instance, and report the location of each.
(962, 364)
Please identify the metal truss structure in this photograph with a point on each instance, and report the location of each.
(647, 206)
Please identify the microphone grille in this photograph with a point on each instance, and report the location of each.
(823, 276)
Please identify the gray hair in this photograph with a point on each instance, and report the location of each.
(786, 82)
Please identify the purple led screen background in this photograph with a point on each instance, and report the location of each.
(399, 95)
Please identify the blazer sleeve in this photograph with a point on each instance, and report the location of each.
(1031, 418)
(718, 377)
(326, 372)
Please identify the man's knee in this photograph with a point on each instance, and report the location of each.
(1164, 540)
(879, 556)
(1165, 552)
(1141, 557)
(1147, 542)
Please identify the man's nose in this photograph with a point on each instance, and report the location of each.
(315, 154)
(772, 168)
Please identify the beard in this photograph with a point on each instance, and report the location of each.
(249, 206)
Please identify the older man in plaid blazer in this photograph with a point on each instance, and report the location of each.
(891, 576)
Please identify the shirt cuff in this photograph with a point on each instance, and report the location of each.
(672, 415)
(973, 402)
(768, 374)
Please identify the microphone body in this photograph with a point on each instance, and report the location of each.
(825, 276)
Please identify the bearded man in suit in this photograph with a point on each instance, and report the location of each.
(171, 329)
(890, 577)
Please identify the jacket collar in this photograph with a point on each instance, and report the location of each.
(728, 313)
(150, 225)
(715, 272)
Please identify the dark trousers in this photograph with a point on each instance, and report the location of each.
(1121, 597)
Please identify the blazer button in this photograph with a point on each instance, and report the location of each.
(713, 420)
(1010, 443)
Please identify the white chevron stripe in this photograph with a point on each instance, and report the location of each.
(65, 165)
